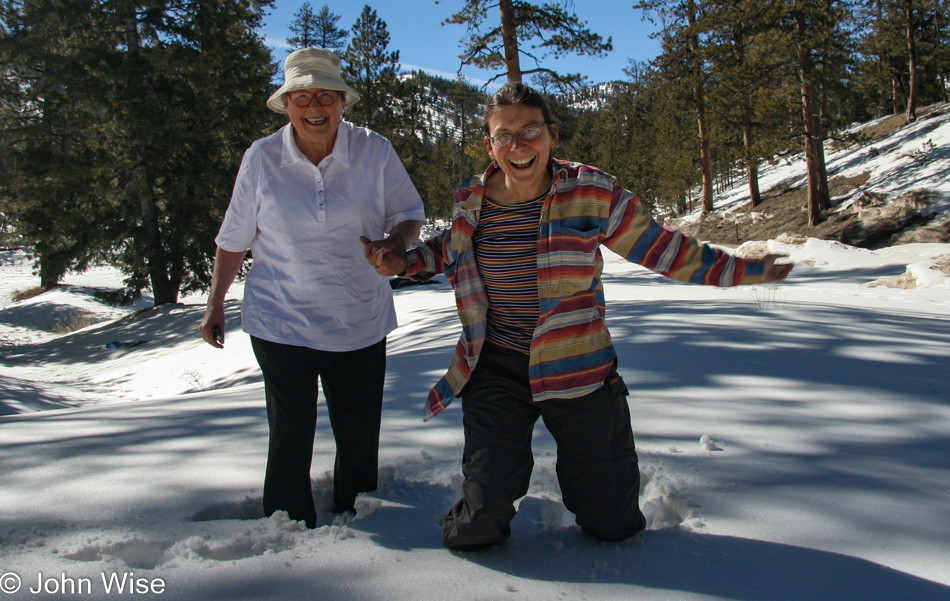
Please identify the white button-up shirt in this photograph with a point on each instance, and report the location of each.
(310, 283)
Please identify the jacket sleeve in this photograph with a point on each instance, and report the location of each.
(436, 254)
(423, 262)
(634, 234)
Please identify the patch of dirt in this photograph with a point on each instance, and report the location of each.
(882, 128)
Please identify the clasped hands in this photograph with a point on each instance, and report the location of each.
(387, 256)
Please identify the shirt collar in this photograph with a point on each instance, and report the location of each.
(341, 149)
(560, 170)
(290, 154)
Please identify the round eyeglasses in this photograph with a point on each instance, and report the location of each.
(526, 134)
(304, 98)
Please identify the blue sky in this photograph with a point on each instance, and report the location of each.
(415, 30)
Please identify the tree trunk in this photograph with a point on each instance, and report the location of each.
(700, 95)
(911, 63)
(882, 102)
(880, 64)
(462, 141)
(510, 36)
(752, 168)
(814, 149)
(751, 163)
(895, 94)
(162, 289)
(51, 270)
(941, 68)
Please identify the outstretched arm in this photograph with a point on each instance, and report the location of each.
(634, 234)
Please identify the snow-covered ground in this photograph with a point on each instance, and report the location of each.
(792, 439)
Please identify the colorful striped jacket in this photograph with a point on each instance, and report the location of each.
(571, 352)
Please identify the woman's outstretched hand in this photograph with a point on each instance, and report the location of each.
(776, 272)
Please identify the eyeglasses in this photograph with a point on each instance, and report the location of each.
(304, 98)
(526, 134)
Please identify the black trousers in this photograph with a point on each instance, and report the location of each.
(596, 459)
(352, 384)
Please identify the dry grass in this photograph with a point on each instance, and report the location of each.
(766, 297)
(942, 264)
(22, 295)
(905, 281)
(76, 321)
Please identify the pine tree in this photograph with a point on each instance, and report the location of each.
(812, 25)
(55, 134)
(328, 34)
(744, 63)
(316, 30)
(940, 46)
(465, 103)
(303, 27)
(684, 46)
(142, 113)
(524, 29)
(906, 48)
(371, 69)
(671, 165)
(911, 22)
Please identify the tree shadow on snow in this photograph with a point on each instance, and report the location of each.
(155, 328)
(696, 343)
(726, 567)
(24, 396)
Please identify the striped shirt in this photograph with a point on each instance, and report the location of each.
(571, 352)
(506, 250)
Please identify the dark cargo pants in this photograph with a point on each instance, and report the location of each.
(352, 385)
(596, 459)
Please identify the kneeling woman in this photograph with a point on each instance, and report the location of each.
(523, 257)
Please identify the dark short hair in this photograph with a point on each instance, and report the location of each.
(512, 94)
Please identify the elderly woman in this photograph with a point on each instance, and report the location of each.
(303, 199)
(523, 256)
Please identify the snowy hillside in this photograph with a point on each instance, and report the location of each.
(915, 157)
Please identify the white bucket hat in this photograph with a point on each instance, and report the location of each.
(311, 68)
